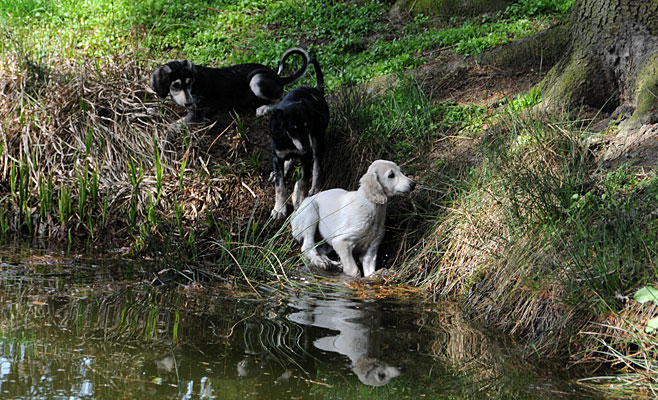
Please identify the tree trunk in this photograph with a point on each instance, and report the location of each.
(608, 58)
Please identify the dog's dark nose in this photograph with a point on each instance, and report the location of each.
(413, 185)
(189, 104)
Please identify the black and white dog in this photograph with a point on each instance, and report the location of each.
(204, 91)
(297, 127)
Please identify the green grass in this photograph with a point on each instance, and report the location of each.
(353, 43)
(528, 8)
(463, 117)
(596, 223)
(397, 121)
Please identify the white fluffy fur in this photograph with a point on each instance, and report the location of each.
(350, 222)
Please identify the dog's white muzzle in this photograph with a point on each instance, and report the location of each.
(183, 98)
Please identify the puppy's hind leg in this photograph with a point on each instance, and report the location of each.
(266, 87)
(266, 109)
(304, 229)
(310, 248)
(299, 193)
(287, 165)
(302, 185)
(316, 178)
(279, 211)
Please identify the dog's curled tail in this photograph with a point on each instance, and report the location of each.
(318, 75)
(282, 64)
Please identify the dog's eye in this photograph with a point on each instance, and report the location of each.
(175, 85)
(391, 175)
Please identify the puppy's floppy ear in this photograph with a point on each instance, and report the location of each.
(160, 81)
(373, 190)
(188, 64)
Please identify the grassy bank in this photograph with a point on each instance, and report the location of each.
(542, 243)
(514, 216)
(87, 155)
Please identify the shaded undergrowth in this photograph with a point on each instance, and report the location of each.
(541, 242)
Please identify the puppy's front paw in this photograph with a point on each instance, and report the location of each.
(279, 214)
(262, 111)
(178, 126)
(322, 261)
(353, 272)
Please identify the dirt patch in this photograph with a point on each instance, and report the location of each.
(451, 78)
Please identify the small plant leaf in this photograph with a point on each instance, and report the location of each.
(645, 294)
(652, 325)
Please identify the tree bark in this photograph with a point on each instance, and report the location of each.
(606, 56)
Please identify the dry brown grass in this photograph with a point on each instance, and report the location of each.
(474, 255)
(216, 174)
(620, 340)
(50, 111)
(507, 274)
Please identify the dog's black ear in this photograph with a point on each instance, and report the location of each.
(374, 191)
(188, 64)
(160, 81)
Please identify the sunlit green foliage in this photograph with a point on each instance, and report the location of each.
(354, 43)
(528, 8)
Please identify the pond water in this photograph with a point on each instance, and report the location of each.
(76, 330)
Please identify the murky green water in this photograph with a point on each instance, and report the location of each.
(84, 331)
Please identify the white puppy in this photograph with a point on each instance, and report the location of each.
(350, 222)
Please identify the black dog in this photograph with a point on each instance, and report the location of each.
(297, 127)
(204, 91)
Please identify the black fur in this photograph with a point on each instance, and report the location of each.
(297, 130)
(204, 91)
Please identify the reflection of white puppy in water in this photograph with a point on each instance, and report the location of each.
(350, 222)
(358, 338)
